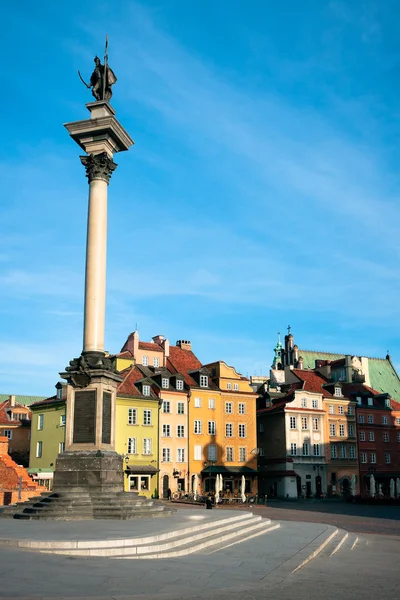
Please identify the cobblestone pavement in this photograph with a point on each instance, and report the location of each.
(384, 520)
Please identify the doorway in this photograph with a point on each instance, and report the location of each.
(318, 486)
(165, 486)
(299, 490)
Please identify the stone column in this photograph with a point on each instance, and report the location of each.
(99, 169)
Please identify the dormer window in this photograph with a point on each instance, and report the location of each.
(338, 391)
(145, 361)
(179, 384)
(146, 390)
(370, 401)
(165, 382)
(59, 393)
(359, 401)
(156, 362)
(203, 381)
(387, 402)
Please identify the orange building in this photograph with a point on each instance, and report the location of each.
(15, 483)
(15, 425)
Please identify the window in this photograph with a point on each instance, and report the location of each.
(229, 454)
(242, 454)
(304, 423)
(384, 420)
(62, 421)
(350, 411)
(211, 403)
(261, 427)
(228, 430)
(132, 445)
(387, 458)
(343, 452)
(181, 408)
(180, 431)
(314, 403)
(387, 403)
(292, 422)
(361, 419)
(338, 391)
(156, 362)
(203, 381)
(166, 455)
(211, 428)
(362, 436)
(146, 390)
(61, 446)
(352, 451)
(132, 416)
(228, 408)
(8, 433)
(304, 403)
(236, 387)
(147, 417)
(397, 420)
(229, 385)
(242, 408)
(332, 429)
(370, 401)
(341, 410)
(370, 419)
(359, 402)
(341, 430)
(371, 436)
(333, 451)
(331, 409)
(372, 457)
(197, 402)
(262, 452)
(197, 426)
(306, 449)
(145, 361)
(293, 449)
(165, 383)
(242, 430)
(363, 457)
(351, 429)
(179, 384)
(315, 423)
(40, 422)
(212, 452)
(166, 430)
(398, 436)
(166, 406)
(316, 450)
(180, 455)
(385, 436)
(39, 449)
(146, 445)
(198, 453)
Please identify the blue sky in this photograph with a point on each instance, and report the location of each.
(263, 188)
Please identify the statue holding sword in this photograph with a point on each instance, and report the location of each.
(101, 79)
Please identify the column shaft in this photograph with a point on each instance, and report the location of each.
(96, 256)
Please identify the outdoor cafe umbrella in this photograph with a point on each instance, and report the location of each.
(353, 485)
(195, 484)
(392, 486)
(217, 489)
(372, 489)
(243, 489)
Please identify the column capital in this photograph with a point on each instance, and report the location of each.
(98, 166)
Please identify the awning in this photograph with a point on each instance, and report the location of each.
(43, 476)
(281, 473)
(141, 470)
(214, 469)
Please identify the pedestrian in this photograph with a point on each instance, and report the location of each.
(169, 494)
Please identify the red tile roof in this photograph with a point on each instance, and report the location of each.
(182, 361)
(150, 346)
(312, 381)
(5, 417)
(128, 387)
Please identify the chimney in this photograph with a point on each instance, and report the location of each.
(12, 401)
(184, 344)
(3, 445)
(300, 362)
(158, 339)
(348, 368)
(132, 343)
(166, 348)
(296, 353)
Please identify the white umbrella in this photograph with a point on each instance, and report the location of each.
(243, 489)
(392, 486)
(398, 487)
(217, 489)
(380, 493)
(221, 483)
(195, 484)
(353, 485)
(372, 489)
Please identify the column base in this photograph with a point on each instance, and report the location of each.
(87, 471)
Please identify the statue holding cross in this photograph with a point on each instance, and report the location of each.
(101, 79)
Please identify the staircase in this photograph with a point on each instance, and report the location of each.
(96, 504)
(211, 535)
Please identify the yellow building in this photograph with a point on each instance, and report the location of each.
(137, 425)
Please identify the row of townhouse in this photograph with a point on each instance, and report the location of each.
(317, 427)
(178, 423)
